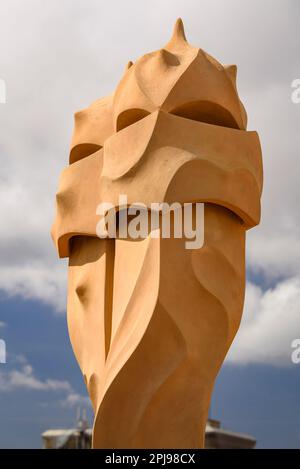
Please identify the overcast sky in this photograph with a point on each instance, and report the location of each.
(56, 57)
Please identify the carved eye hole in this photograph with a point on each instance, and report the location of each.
(208, 112)
(82, 151)
(129, 117)
(201, 111)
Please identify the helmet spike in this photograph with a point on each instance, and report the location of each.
(128, 65)
(178, 32)
(178, 36)
(231, 71)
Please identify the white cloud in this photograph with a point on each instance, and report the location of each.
(270, 323)
(2, 324)
(25, 378)
(38, 282)
(74, 399)
(67, 54)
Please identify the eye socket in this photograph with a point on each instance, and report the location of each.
(208, 112)
(129, 117)
(200, 111)
(82, 151)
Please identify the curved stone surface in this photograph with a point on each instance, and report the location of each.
(150, 321)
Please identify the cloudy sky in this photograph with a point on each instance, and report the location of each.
(55, 58)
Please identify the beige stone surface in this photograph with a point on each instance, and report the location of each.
(150, 321)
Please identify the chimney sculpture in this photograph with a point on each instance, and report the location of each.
(150, 321)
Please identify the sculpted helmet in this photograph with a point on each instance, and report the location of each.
(151, 322)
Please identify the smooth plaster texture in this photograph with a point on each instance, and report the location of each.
(151, 322)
